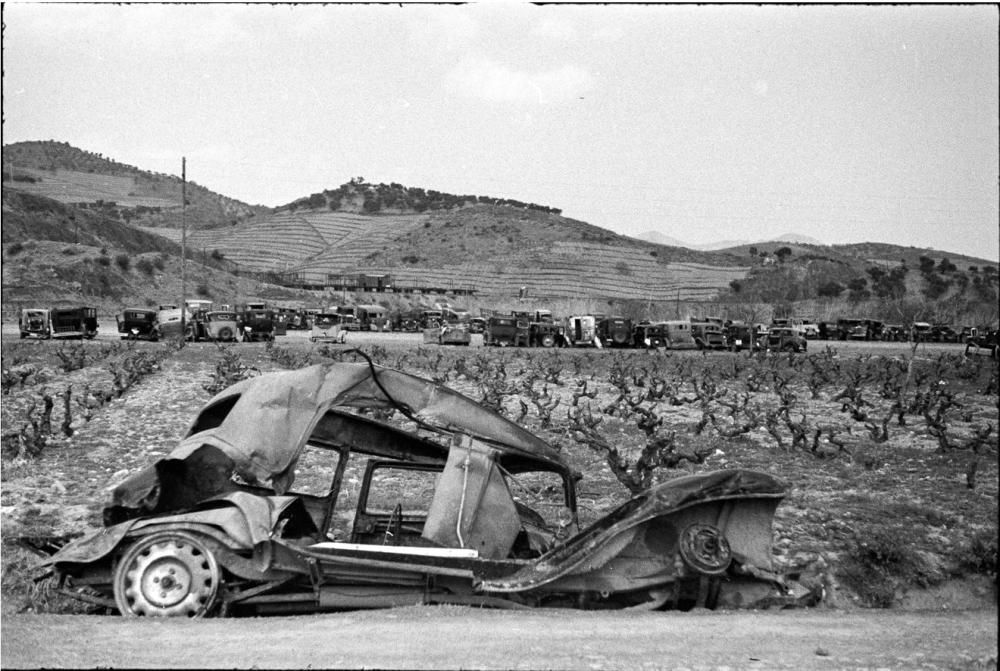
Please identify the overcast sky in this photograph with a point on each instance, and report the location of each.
(843, 123)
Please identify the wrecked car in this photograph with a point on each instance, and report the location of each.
(284, 496)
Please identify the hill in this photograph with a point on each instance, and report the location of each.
(426, 238)
(460, 241)
(66, 174)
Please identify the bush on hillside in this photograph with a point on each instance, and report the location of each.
(144, 266)
(123, 261)
(15, 249)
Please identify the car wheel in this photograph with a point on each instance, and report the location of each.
(225, 333)
(705, 549)
(167, 574)
(548, 340)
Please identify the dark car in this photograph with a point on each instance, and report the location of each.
(615, 331)
(506, 331)
(649, 335)
(708, 335)
(944, 333)
(981, 341)
(137, 324)
(853, 329)
(477, 325)
(257, 324)
(785, 339)
(741, 336)
(894, 333)
(472, 510)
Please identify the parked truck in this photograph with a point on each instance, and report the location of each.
(48, 323)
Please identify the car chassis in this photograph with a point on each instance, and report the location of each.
(198, 533)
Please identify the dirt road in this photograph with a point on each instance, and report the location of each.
(442, 637)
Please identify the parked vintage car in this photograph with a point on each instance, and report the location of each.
(216, 325)
(894, 333)
(614, 331)
(708, 335)
(406, 321)
(48, 323)
(507, 331)
(326, 328)
(981, 341)
(920, 331)
(785, 339)
(853, 329)
(168, 321)
(581, 331)
(472, 510)
(257, 324)
(137, 324)
(941, 332)
(477, 325)
(741, 336)
(447, 334)
(649, 335)
(678, 333)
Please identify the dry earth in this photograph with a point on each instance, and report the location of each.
(904, 483)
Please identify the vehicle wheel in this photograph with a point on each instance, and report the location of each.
(548, 340)
(704, 549)
(23, 335)
(167, 574)
(225, 333)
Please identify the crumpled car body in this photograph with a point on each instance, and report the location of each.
(452, 503)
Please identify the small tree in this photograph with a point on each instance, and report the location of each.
(124, 262)
(782, 253)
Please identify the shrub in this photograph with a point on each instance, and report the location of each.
(15, 249)
(124, 262)
(144, 266)
(203, 290)
(160, 262)
(104, 261)
(979, 555)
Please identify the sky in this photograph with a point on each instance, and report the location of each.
(844, 123)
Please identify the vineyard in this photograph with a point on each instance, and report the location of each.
(890, 453)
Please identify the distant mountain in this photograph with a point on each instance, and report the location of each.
(661, 239)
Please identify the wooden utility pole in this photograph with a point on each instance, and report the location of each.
(183, 304)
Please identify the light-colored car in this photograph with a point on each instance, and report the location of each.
(327, 327)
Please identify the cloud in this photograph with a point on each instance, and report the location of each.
(554, 28)
(489, 80)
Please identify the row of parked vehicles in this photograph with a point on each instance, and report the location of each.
(203, 320)
(541, 329)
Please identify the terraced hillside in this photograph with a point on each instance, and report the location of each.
(498, 250)
(336, 240)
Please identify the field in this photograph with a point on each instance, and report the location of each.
(889, 451)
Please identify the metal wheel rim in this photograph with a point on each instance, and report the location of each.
(705, 549)
(167, 575)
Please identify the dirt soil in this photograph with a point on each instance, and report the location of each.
(443, 637)
(943, 616)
